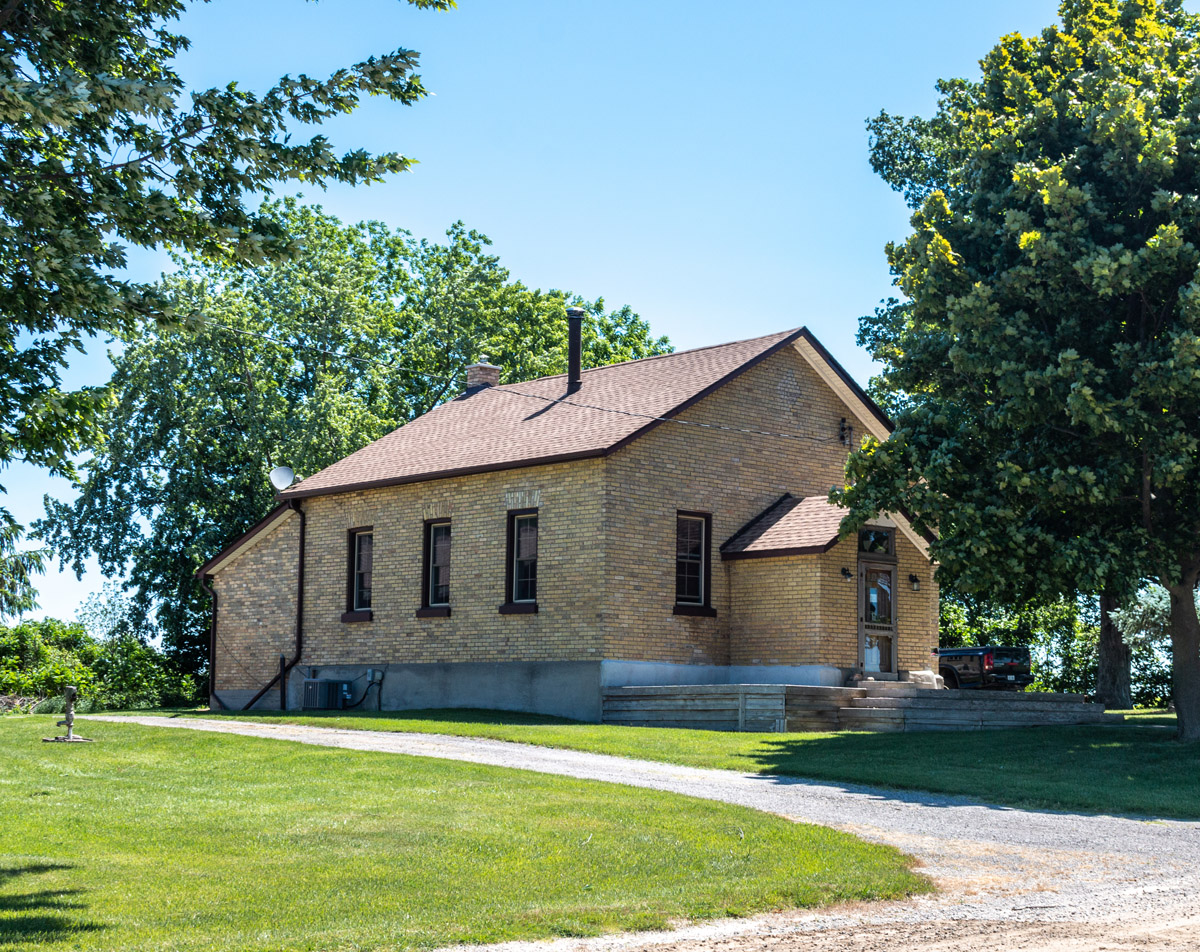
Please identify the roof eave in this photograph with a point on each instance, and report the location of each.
(244, 539)
(780, 553)
(859, 394)
(301, 493)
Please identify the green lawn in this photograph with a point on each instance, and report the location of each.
(179, 840)
(1136, 767)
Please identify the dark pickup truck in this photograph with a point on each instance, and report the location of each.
(995, 668)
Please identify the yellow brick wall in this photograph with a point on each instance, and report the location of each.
(733, 475)
(606, 554)
(798, 610)
(568, 623)
(256, 608)
(916, 612)
(775, 610)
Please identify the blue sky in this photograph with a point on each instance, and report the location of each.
(704, 162)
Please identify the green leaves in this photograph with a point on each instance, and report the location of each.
(1051, 311)
(101, 150)
(1045, 363)
(299, 361)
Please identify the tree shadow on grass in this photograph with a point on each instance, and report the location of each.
(30, 918)
(1088, 769)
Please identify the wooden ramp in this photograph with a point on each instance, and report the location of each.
(881, 706)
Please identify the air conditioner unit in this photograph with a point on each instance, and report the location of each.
(324, 695)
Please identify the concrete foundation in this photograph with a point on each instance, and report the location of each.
(560, 688)
(236, 700)
(637, 673)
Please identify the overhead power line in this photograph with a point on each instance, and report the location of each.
(661, 419)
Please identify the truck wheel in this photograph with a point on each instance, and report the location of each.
(950, 677)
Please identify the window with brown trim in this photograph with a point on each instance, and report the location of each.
(693, 563)
(435, 576)
(360, 567)
(521, 572)
(876, 541)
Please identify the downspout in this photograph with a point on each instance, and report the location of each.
(212, 642)
(281, 677)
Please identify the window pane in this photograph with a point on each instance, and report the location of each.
(527, 537)
(877, 653)
(689, 538)
(879, 597)
(363, 558)
(441, 545)
(439, 585)
(689, 560)
(875, 540)
(525, 581)
(363, 539)
(687, 582)
(439, 564)
(525, 553)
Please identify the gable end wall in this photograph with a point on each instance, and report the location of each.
(734, 475)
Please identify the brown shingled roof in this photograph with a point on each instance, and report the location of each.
(789, 526)
(534, 422)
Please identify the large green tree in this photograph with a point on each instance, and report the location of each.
(101, 149)
(1048, 342)
(299, 362)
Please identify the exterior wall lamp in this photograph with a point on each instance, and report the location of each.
(846, 573)
(916, 583)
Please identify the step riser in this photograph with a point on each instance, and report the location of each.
(884, 706)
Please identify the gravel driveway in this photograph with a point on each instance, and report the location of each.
(1010, 879)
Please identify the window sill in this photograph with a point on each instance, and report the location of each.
(518, 608)
(356, 616)
(434, 611)
(695, 611)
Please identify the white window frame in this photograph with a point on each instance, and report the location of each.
(356, 589)
(679, 516)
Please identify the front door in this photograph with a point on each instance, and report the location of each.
(877, 619)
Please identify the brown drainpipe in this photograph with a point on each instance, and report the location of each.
(281, 677)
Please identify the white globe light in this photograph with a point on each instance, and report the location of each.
(282, 477)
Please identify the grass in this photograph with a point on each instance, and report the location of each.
(177, 840)
(1132, 768)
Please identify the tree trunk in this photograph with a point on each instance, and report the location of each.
(1185, 639)
(1112, 670)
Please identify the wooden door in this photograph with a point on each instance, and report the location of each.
(877, 619)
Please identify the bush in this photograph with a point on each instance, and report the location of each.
(38, 659)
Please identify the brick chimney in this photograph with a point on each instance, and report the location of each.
(482, 375)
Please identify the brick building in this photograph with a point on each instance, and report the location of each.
(660, 521)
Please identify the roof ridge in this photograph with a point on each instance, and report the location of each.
(642, 360)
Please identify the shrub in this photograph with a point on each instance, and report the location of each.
(40, 658)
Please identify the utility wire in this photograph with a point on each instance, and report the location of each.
(507, 389)
(649, 416)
